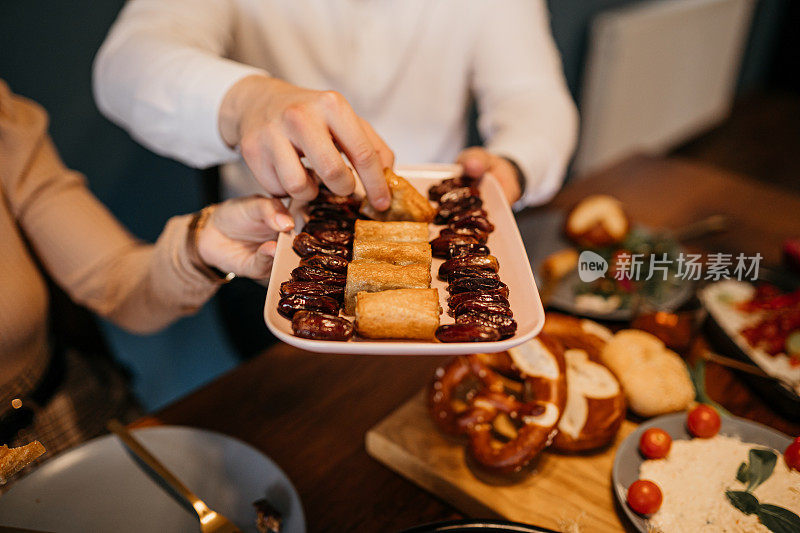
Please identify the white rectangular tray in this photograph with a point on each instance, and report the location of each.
(505, 244)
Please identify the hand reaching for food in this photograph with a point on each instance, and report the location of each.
(239, 235)
(478, 161)
(274, 123)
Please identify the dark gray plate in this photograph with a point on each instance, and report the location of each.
(98, 486)
(543, 234)
(779, 395)
(628, 459)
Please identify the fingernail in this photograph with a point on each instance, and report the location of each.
(284, 222)
(382, 204)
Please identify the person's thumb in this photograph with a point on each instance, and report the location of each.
(259, 264)
(475, 161)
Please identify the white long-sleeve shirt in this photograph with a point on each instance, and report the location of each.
(409, 67)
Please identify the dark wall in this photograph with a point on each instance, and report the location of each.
(758, 61)
(46, 53)
(571, 22)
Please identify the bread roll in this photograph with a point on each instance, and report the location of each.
(398, 314)
(396, 253)
(370, 230)
(559, 264)
(374, 276)
(654, 378)
(597, 220)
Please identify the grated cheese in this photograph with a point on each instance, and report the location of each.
(694, 477)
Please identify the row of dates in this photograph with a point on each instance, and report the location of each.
(478, 300)
(314, 295)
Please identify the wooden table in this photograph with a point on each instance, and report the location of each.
(309, 412)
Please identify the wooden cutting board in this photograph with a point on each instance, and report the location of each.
(563, 491)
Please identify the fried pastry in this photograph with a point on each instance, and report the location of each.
(374, 276)
(12, 460)
(407, 202)
(396, 253)
(370, 230)
(398, 314)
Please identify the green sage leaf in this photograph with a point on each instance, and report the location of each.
(777, 519)
(742, 500)
(698, 375)
(762, 463)
(742, 473)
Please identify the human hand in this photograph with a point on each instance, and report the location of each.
(477, 161)
(274, 123)
(240, 235)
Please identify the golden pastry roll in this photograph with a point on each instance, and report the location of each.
(407, 202)
(398, 314)
(396, 253)
(374, 276)
(371, 230)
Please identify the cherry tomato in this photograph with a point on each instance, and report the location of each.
(703, 421)
(644, 497)
(792, 455)
(655, 443)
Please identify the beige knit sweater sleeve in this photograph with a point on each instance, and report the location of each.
(140, 287)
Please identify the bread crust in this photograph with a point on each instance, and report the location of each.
(396, 253)
(375, 276)
(595, 399)
(398, 314)
(371, 230)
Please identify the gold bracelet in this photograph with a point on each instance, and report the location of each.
(198, 222)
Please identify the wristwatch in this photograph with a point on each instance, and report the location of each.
(198, 222)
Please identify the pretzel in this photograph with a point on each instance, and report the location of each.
(507, 404)
(595, 401)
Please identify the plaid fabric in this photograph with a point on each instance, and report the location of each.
(25, 381)
(93, 392)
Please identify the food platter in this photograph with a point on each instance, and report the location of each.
(628, 460)
(505, 243)
(544, 233)
(779, 393)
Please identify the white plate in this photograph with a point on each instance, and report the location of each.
(504, 242)
(98, 486)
